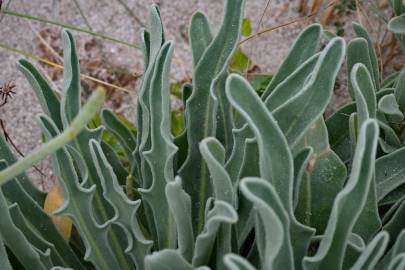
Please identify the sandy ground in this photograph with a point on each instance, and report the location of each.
(110, 18)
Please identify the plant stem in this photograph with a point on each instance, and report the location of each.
(86, 114)
(68, 26)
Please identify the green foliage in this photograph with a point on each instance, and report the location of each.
(249, 176)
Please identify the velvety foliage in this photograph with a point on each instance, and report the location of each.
(256, 180)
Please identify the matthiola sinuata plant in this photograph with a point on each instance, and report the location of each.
(253, 182)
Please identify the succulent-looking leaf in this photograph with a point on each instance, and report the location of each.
(166, 259)
(14, 239)
(125, 209)
(201, 109)
(358, 52)
(373, 252)
(400, 91)
(275, 158)
(364, 93)
(323, 178)
(301, 111)
(394, 219)
(160, 154)
(389, 106)
(120, 130)
(348, 204)
(78, 205)
(362, 32)
(291, 85)
(46, 96)
(235, 262)
(214, 155)
(305, 46)
(180, 206)
(4, 262)
(200, 34)
(272, 224)
(221, 214)
(390, 172)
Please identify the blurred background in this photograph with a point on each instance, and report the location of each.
(109, 31)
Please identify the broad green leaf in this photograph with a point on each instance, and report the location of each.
(373, 252)
(305, 46)
(180, 206)
(240, 62)
(323, 179)
(348, 204)
(246, 27)
(260, 82)
(300, 112)
(272, 224)
(200, 35)
(358, 52)
(362, 32)
(201, 109)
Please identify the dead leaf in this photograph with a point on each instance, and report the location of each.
(53, 201)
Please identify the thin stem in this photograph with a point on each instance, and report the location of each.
(69, 26)
(83, 15)
(86, 114)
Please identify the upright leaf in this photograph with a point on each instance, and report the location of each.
(201, 110)
(275, 158)
(348, 204)
(305, 46)
(297, 115)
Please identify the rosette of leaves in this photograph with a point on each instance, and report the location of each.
(252, 182)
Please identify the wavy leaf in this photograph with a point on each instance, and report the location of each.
(201, 108)
(180, 206)
(373, 252)
(297, 115)
(236, 262)
(124, 208)
(348, 203)
(305, 46)
(275, 158)
(220, 214)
